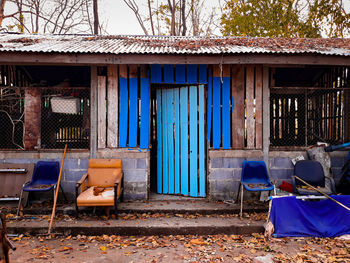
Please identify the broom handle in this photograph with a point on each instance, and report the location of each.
(57, 189)
(314, 188)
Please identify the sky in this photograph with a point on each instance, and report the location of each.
(122, 21)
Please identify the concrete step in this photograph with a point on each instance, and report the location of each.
(165, 225)
(173, 207)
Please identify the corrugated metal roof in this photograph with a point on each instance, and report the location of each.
(170, 45)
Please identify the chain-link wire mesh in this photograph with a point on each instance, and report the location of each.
(305, 116)
(65, 118)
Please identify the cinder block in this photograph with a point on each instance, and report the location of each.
(24, 161)
(68, 186)
(337, 162)
(232, 162)
(70, 175)
(237, 174)
(285, 163)
(129, 163)
(135, 196)
(135, 175)
(141, 163)
(83, 163)
(224, 186)
(216, 163)
(218, 196)
(281, 173)
(220, 174)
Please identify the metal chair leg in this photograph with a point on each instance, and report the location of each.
(241, 213)
(19, 202)
(239, 189)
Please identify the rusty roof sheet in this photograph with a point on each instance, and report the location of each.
(170, 45)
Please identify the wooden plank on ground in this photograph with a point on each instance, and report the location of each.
(238, 107)
(32, 117)
(145, 109)
(250, 107)
(258, 108)
(112, 106)
(123, 112)
(101, 112)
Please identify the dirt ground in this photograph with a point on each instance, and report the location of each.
(216, 248)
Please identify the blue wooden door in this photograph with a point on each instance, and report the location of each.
(180, 141)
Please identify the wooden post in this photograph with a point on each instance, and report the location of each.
(238, 111)
(32, 118)
(250, 107)
(258, 107)
(113, 105)
(93, 112)
(101, 112)
(266, 115)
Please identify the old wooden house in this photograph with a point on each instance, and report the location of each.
(181, 112)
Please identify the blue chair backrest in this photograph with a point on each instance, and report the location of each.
(45, 173)
(254, 172)
(310, 171)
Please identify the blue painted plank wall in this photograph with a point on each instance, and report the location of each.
(226, 116)
(193, 142)
(192, 74)
(184, 139)
(177, 141)
(159, 143)
(180, 74)
(144, 126)
(201, 156)
(165, 142)
(123, 113)
(156, 73)
(133, 118)
(216, 112)
(170, 135)
(210, 107)
(202, 75)
(168, 74)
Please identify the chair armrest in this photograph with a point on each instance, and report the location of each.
(82, 180)
(119, 178)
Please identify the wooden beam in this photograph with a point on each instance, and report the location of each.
(112, 106)
(32, 118)
(22, 58)
(238, 111)
(266, 115)
(258, 107)
(101, 112)
(250, 107)
(93, 111)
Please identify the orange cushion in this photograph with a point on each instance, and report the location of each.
(105, 177)
(87, 198)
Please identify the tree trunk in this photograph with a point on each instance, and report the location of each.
(2, 5)
(184, 27)
(150, 16)
(96, 23)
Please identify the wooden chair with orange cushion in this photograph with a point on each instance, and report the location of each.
(102, 185)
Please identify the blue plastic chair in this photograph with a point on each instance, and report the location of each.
(45, 177)
(311, 171)
(254, 177)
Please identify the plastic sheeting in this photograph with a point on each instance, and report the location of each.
(294, 217)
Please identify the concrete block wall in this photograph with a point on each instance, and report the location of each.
(135, 168)
(225, 169)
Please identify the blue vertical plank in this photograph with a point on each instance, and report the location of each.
(123, 113)
(165, 141)
(133, 118)
(184, 139)
(177, 141)
(226, 116)
(216, 112)
(210, 106)
(170, 129)
(169, 74)
(192, 74)
(144, 129)
(180, 74)
(201, 141)
(202, 74)
(193, 142)
(159, 142)
(156, 73)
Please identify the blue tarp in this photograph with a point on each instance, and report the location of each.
(294, 217)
